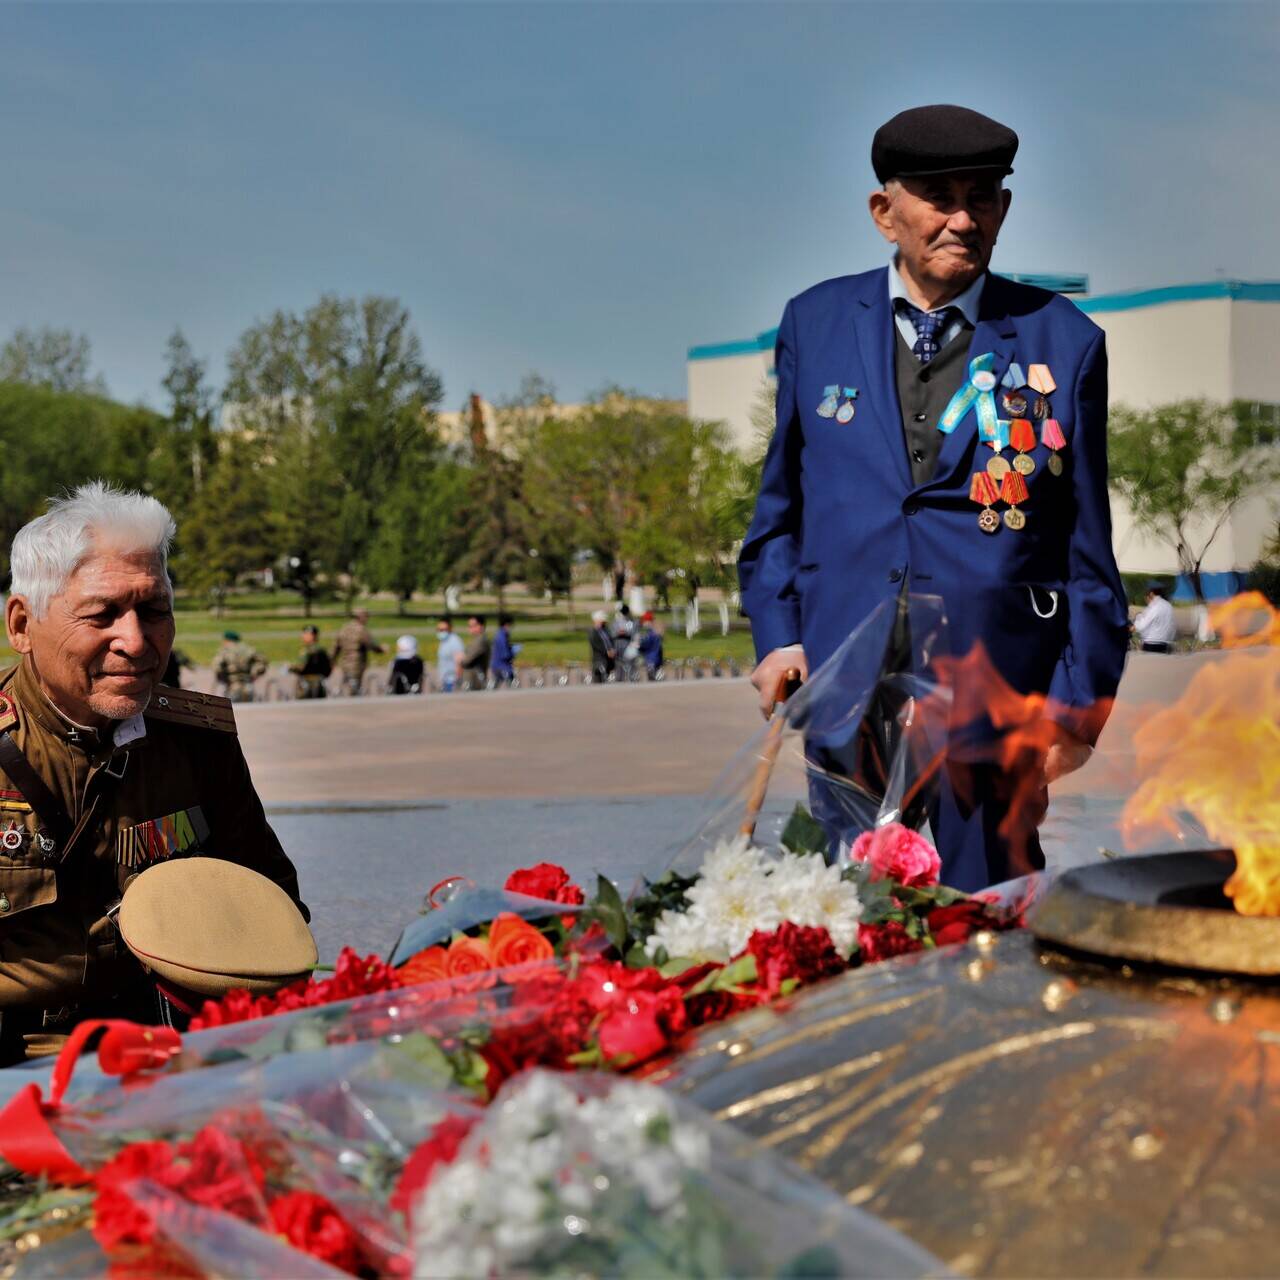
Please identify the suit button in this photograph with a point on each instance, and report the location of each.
(920, 417)
(911, 508)
(924, 375)
(4, 903)
(895, 575)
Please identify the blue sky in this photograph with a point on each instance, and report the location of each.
(586, 190)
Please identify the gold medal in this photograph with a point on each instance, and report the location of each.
(1015, 519)
(1055, 464)
(997, 467)
(988, 521)
(1024, 464)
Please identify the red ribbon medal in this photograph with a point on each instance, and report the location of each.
(982, 490)
(1013, 490)
(1052, 438)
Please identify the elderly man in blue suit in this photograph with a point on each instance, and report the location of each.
(942, 431)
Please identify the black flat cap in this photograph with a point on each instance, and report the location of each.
(941, 139)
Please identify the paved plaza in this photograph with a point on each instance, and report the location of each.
(378, 799)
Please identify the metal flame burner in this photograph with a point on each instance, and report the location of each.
(1167, 909)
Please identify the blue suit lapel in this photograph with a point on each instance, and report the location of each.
(873, 331)
(994, 332)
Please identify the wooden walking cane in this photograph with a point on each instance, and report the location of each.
(788, 683)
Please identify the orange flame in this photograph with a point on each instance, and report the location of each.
(1216, 754)
(990, 723)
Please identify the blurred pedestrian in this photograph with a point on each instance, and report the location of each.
(449, 651)
(406, 670)
(475, 657)
(604, 652)
(1155, 625)
(650, 645)
(503, 658)
(237, 666)
(351, 649)
(312, 666)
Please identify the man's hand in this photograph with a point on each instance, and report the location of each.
(771, 669)
(1065, 756)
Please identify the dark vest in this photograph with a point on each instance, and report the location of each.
(924, 391)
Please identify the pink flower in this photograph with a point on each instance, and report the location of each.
(894, 852)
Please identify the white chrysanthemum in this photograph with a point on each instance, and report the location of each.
(682, 935)
(735, 911)
(731, 860)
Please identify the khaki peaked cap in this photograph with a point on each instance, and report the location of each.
(212, 926)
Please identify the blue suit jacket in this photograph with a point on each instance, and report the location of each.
(839, 521)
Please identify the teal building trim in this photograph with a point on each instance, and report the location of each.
(1235, 290)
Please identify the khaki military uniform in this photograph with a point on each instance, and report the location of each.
(311, 668)
(170, 782)
(351, 648)
(237, 666)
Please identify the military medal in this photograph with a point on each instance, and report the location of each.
(1040, 379)
(1013, 490)
(995, 433)
(1015, 404)
(1022, 435)
(11, 840)
(1052, 438)
(982, 490)
(1013, 378)
(997, 468)
(827, 409)
(1040, 410)
(846, 411)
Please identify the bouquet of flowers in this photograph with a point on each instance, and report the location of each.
(589, 1176)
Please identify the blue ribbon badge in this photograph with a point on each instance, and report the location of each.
(978, 389)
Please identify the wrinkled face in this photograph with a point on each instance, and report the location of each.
(102, 646)
(945, 225)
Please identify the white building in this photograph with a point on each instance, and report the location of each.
(1219, 341)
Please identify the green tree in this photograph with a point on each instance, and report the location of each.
(349, 381)
(1183, 468)
(229, 531)
(52, 441)
(53, 358)
(187, 448)
(636, 483)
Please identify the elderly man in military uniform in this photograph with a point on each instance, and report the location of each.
(103, 771)
(351, 649)
(237, 666)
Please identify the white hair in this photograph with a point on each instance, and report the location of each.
(49, 549)
(599, 616)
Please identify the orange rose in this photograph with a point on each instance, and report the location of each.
(427, 966)
(513, 941)
(468, 963)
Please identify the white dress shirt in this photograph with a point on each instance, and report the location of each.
(1155, 624)
(966, 303)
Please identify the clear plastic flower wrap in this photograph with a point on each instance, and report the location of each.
(893, 714)
(592, 1176)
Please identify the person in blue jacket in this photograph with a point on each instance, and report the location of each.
(941, 431)
(503, 657)
(650, 645)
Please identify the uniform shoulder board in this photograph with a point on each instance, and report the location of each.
(186, 706)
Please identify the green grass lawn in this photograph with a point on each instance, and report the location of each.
(272, 621)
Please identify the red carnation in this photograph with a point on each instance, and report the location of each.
(883, 941)
(803, 953)
(440, 1148)
(310, 1223)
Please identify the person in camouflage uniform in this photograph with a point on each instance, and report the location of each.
(351, 649)
(312, 667)
(237, 666)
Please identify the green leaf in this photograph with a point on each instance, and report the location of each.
(804, 834)
(611, 912)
